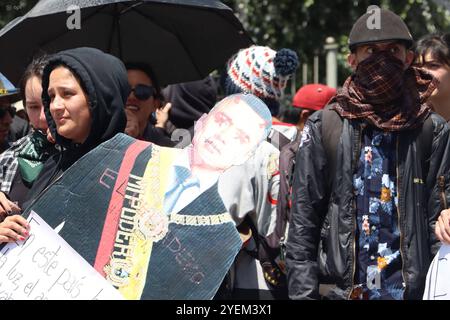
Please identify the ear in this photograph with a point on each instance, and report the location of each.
(304, 115)
(409, 58)
(351, 60)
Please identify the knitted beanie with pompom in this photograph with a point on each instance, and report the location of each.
(261, 71)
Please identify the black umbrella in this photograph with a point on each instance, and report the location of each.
(182, 40)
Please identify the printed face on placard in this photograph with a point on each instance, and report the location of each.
(229, 133)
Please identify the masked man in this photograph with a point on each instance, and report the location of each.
(374, 176)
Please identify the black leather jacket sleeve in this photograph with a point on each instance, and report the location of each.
(439, 171)
(308, 206)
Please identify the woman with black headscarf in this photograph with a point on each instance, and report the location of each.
(84, 92)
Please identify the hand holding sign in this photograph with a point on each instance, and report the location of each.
(44, 266)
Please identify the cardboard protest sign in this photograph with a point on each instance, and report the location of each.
(45, 267)
(113, 217)
(150, 219)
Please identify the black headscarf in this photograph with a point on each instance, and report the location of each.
(105, 82)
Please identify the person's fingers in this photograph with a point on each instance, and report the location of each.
(11, 233)
(162, 115)
(4, 239)
(4, 203)
(17, 226)
(437, 231)
(3, 214)
(445, 225)
(8, 206)
(13, 226)
(50, 137)
(444, 236)
(132, 127)
(167, 107)
(19, 220)
(14, 207)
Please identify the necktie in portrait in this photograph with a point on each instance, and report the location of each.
(182, 182)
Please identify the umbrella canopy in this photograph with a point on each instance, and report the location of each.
(182, 40)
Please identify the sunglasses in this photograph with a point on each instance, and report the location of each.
(143, 92)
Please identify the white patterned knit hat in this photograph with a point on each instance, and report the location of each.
(262, 71)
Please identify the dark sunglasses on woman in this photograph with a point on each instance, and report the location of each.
(143, 92)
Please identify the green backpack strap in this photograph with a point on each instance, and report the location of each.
(331, 133)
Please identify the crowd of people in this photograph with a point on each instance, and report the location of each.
(345, 198)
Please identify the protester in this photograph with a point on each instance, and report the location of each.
(146, 118)
(171, 196)
(308, 99)
(11, 125)
(433, 54)
(24, 160)
(84, 94)
(263, 72)
(250, 191)
(366, 196)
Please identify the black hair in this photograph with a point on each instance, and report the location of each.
(291, 115)
(438, 45)
(34, 69)
(144, 67)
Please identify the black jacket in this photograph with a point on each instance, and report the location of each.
(321, 240)
(19, 128)
(104, 79)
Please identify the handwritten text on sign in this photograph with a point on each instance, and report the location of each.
(44, 266)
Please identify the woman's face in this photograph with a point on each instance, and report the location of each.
(34, 106)
(142, 108)
(69, 105)
(440, 97)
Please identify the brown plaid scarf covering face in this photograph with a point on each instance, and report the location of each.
(386, 96)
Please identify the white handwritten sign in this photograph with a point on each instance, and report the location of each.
(45, 267)
(437, 285)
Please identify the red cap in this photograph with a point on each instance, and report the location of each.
(313, 96)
